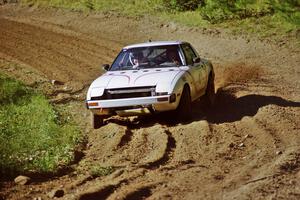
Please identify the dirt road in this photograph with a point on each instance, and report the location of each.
(246, 147)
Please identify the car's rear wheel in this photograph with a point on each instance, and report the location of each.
(96, 121)
(184, 108)
(210, 92)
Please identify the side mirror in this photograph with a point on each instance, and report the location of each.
(196, 60)
(105, 67)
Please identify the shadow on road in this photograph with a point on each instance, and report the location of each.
(227, 108)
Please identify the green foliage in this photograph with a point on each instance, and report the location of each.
(263, 17)
(129, 7)
(217, 11)
(220, 10)
(11, 91)
(89, 4)
(182, 5)
(288, 11)
(30, 138)
(273, 13)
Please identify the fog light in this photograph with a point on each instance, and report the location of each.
(172, 98)
(93, 104)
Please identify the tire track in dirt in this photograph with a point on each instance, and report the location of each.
(103, 189)
(257, 143)
(52, 40)
(50, 52)
(281, 125)
(122, 146)
(147, 147)
(197, 134)
(104, 140)
(135, 191)
(101, 193)
(139, 193)
(141, 146)
(167, 155)
(270, 132)
(144, 149)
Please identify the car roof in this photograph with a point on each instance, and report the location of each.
(151, 44)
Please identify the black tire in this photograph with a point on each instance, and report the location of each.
(183, 111)
(96, 121)
(210, 92)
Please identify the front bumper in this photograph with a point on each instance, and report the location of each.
(157, 103)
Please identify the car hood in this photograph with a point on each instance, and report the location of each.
(136, 78)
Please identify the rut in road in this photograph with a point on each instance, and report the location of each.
(147, 147)
(167, 156)
(51, 52)
(103, 189)
(136, 191)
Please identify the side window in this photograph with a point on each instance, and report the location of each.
(188, 53)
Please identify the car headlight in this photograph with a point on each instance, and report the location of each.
(97, 92)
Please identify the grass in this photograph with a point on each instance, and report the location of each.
(32, 139)
(188, 18)
(264, 18)
(128, 7)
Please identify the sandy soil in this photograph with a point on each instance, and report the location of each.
(246, 147)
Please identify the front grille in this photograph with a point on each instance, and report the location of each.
(123, 93)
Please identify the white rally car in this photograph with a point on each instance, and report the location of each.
(151, 77)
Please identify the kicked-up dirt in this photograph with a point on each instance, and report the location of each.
(246, 147)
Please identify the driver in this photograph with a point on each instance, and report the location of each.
(136, 59)
(172, 56)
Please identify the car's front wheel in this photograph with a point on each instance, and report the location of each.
(96, 121)
(184, 108)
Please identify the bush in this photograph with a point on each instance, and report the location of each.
(288, 10)
(11, 91)
(182, 5)
(264, 17)
(30, 138)
(89, 4)
(217, 11)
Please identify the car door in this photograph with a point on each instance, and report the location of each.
(197, 69)
(204, 70)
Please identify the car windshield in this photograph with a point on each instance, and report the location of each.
(147, 57)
